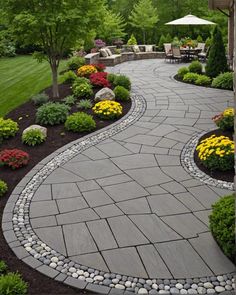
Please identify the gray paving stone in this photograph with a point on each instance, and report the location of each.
(133, 147)
(125, 191)
(179, 136)
(173, 187)
(203, 216)
(153, 263)
(97, 198)
(187, 225)
(48, 271)
(78, 239)
(189, 201)
(43, 208)
(76, 283)
(167, 160)
(166, 143)
(98, 289)
(148, 176)
(88, 185)
(108, 211)
(162, 130)
(137, 206)
(20, 252)
(77, 216)
(172, 113)
(79, 158)
(43, 221)
(176, 172)
(125, 261)
(153, 150)
(61, 175)
(154, 228)
(65, 190)
(143, 139)
(114, 179)
(94, 260)
(43, 193)
(94, 169)
(182, 260)
(131, 131)
(32, 262)
(181, 121)
(114, 149)
(71, 204)
(94, 153)
(156, 190)
(213, 256)
(102, 234)
(135, 161)
(125, 232)
(204, 195)
(166, 205)
(53, 237)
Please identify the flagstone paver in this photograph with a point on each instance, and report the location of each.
(126, 206)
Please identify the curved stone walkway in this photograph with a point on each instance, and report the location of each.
(124, 211)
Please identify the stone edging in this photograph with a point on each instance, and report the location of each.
(187, 161)
(30, 249)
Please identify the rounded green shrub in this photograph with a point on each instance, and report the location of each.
(182, 71)
(3, 188)
(203, 80)
(69, 77)
(8, 128)
(121, 93)
(80, 80)
(161, 42)
(224, 81)
(12, 284)
(52, 113)
(111, 78)
(3, 267)
(83, 91)
(190, 77)
(132, 40)
(40, 99)
(195, 67)
(75, 62)
(80, 122)
(122, 80)
(222, 224)
(33, 137)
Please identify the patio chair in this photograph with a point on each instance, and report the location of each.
(204, 55)
(168, 52)
(201, 46)
(177, 56)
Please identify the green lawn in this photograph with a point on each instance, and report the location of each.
(21, 77)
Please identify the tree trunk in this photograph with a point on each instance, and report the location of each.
(55, 88)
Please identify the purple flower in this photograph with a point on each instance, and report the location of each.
(99, 43)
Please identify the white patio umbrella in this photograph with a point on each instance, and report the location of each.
(190, 20)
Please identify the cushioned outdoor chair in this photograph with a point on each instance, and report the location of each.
(203, 55)
(168, 52)
(177, 56)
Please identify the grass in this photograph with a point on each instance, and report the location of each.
(21, 78)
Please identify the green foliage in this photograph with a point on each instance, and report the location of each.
(69, 100)
(226, 123)
(12, 284)
(168, 38)
(112, 27)
(222, 224)
(199, 39)
(122, 80)
(203, 80)
(33, 137)
(195, 67)
(80, 122)
(162, 40)
(121, 93)
(190, 77)
(3, 266)
(40, 99)
(79, 81)
(52, 113)
(208, 42)
(8, 128)
(3, 190)
(84, 104)
(83, 91)
(224, 81)
(111, 78)
(176, 42)
(217, 62)
(132, 40)
(144, 16)
(182, 71)
(69, 77)
(75, 62)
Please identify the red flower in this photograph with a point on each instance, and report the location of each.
(14, 158)
(100, 67)
(99, 79)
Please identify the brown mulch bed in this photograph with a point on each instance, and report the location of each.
(225, 175)
(56, 138)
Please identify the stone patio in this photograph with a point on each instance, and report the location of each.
(126, 207)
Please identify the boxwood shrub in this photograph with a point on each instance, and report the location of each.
(80, 122)
(190, 77)
(52, 113)
(222, 224)
(8, 128)
(121, 93)
(122, 80)
(203, 80)
(195, 67)
(224, 81)
(182, 71)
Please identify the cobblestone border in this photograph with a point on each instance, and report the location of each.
(30, 249)
(187, 161)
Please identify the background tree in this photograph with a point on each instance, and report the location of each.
(217, 62)
(144, 16)
(55, 25)
(112, 27)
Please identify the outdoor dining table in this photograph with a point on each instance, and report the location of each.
(190, 53)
